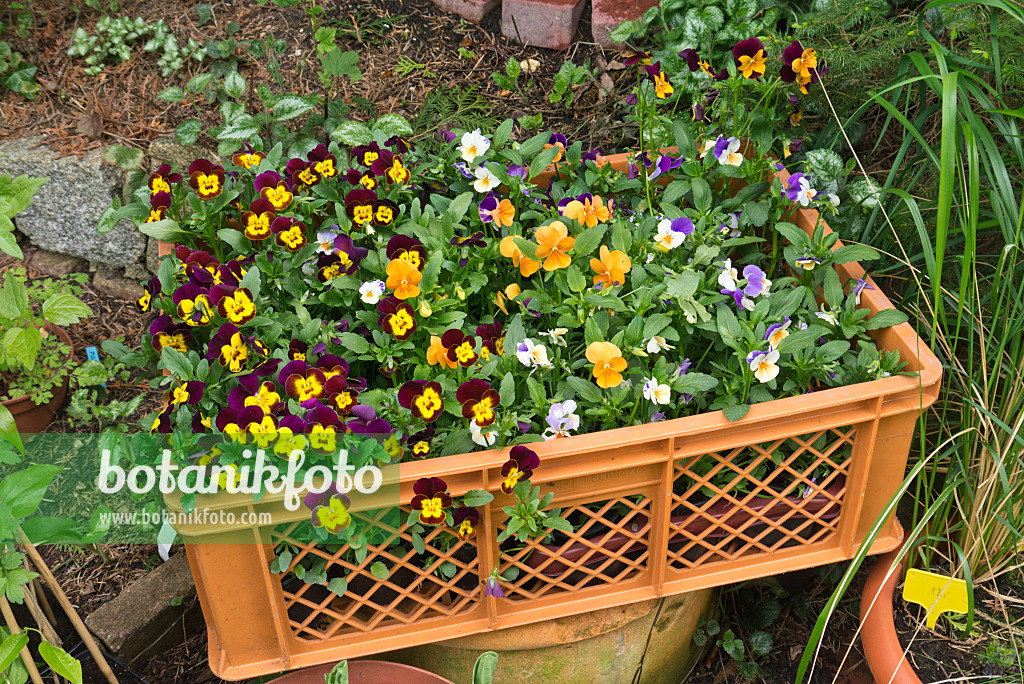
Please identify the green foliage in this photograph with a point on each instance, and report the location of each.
(114, 38)
(755, 607)
(528, 517)
(567, 79)
(16, 74)
(15, 197)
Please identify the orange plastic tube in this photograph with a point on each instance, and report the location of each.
(882, 647)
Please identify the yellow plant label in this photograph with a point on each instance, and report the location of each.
(937, 593)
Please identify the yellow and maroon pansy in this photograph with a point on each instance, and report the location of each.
(290, 233)
(368, 180)
(461, 347)
(194, 306)
(492, 339)
(384, 212)
(399, 144)
(323, 426)
(330, 510)
(270, 187)
(162, 180)
(518, 468)
(396, 317)
(150, 289)
(250, 391)
(206, 178)
(465, 521)
(432, 500)
(256, 222)
(479, 401)
(161, 422)
(234, 303)
(424, 398)
(344, 401)
(335, 369)
(229, 348)
(323, 162)
(419, 444)
(359, 206)
(164, 332)
(408, 249)
(187, 393)
(247, 157)
(158, 205)
(302, 381)
(297, 350)
(367, 154)
(263, 432)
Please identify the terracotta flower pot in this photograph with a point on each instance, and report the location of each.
(31, 417)
(882, 647)
(365, 672)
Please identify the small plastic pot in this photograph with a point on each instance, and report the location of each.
(31, 417)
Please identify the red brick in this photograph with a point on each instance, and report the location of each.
(541, 23)
(608, 14)
(470, 10)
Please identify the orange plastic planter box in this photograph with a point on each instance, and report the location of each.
(667, 508)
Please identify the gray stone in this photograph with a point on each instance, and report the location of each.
(116, 285)
(65, 212)
(53, 264)
(151, 615)
(168, 149)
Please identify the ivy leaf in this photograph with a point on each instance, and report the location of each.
(128, 158)
(172, 94)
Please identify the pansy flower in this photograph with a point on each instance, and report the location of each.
(364, 421)
(461, 347)
(561, 419)
(501, 213)
(764, 364)
(799, 65)
(662, 87)
(250, 391)
(492, 339)
(256, 222)
(164, 332)
(431, 499)
(297, 350)
(423, 398)
(271, 188)
(247, 157)
(403, 278)
(727, 151)
(323, 162)
(419, 443)
(485, 180)
(302, 381)
(330, 510)
(194, 306)
(557, 140)
(384, 212)
(187, 393)
(518, 468)
(396, 318)
(335, 369)
(162, 180)
(859, 287)
(473, 145)
(655, 392)
(206, 178)
(437, 353)
(399, 144)
(658, 344)
(368, 180)
(397, 172)
(479, 401)
(359, 205)
(588, 209)
(325, 240)
(343, 401)
(750, 57)
(233, 303)
(161, 422)
(635, 57)
(323, 426)
(757, 281)
(479, 435)
(777, 332)
(159, 203)
(229, 347)
(664, 164)
(611, 268)
(366, 154)
(150, 289)
(553, 244)
(492, 587)
(608, 363)
(533, 355)
(465, 520)
(288, 232)
(302, 173)
(509, 248)
(371, 291)
(408, 249)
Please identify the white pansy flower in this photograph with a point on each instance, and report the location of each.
(667, 238)
(731, 156)
(473, 145)
(371, 292)
(533, 355)
(764, 365)
(557, 336)
(658, 344)
(658, 393)
(485, 180)
(484, 439)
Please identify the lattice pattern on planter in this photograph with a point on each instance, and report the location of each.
(415, 590)
(609, 547)
(759, 498)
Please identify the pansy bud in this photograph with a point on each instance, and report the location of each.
(425, 309)
(639, 352)
(460, 293)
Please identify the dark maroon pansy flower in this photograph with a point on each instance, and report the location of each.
(149, 291)
(162, 180)
(419, 443)
(591, 155)
(750, 57)
(431, 499)
(322, 162)
(365, 421)
(473, 240)
(637, 58)
(448, 136)
(465, 520)
(366, 154)
(162, 422)
(206, 178)
(159, 203)
(186, 393)
(407, 249)
(297, 350)
(492, 338)
(382, 163)
(692, 60)
(349, 255)
(359, 205)
(396, 317)
(384, 212)
(250, 391)
(461, 347)
(479, 401)
(423, 398)
(399, 144)
(519, 467)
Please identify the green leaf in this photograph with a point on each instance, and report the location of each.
(65, 309)
(23, 490)
(760, 643)
(339, 64)
(379, 570)
(338, 675)
(848, 253)
(61, 662)
(459, 206)
(199, 83)
(234, 84)
(537, 394)
(585, 389)
(502, 133)
(9, 430)
(10, 649)
(22, 344)
(354, 343)
(233, 237)
(8, 245)
(242, 128)
(128, 158)
(166, 230)
(832, 289)
(477, 497)
(508, 390)
(588, 240)
(684, 140)
(172, 94)
(176, 362)
(353, 133)
(534, 144)
(485, 668)
(392, 124)
(543, 160)
(338, 585)
(515, 333)
(692, 383)
(291, 106)
(736, 412)
(14, 298)
(885, 318)
(795, 235)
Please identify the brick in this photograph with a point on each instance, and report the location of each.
(470, 10)
(606, 15)
(151, 615)
(111, 283)
(53, 264)
(541, 23)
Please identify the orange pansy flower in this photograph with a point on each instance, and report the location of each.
(608, 364)
(554, 243)
(589, 211)
(437, 353)
(509, 248)
(403, 278)
(611, 268)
